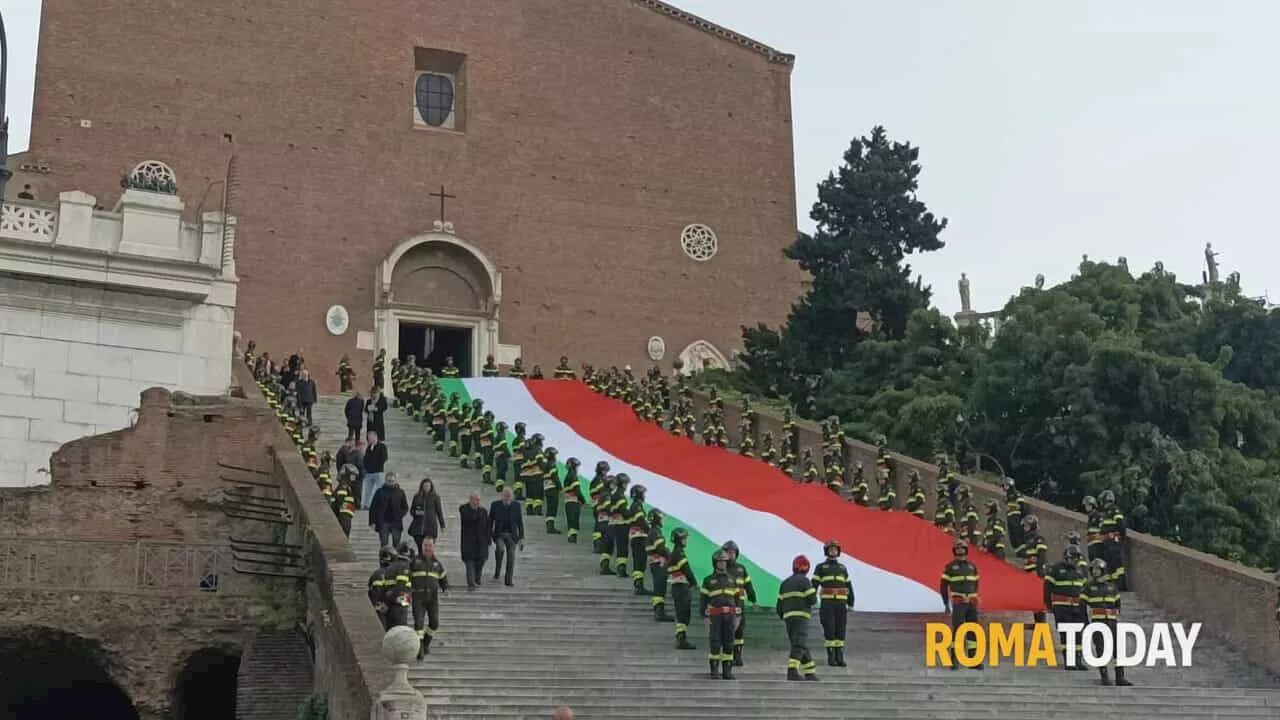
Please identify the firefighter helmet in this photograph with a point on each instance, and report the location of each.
(622, 478)
(1107, 497)
(960, 547)
(1097, 566)
(1031, 522)
(730, 547)
(602, 467)
(551, 451)
(720, 557)
(655, 517)
(638, 491)
(519, 428)
(1090, 502)
(679, 536)
(1073, 538)
(831, 545)
(800, 564)
(993, 507)
(1073, 552)
(573, 462)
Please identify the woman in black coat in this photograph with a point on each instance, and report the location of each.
(428, 517)
(475, 539)
(374, 408)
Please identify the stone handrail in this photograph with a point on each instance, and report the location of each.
(349, 667)
(1236, 603)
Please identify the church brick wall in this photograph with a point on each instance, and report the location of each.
(595, 132)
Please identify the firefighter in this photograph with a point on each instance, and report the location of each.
(501, 456)
(1032, 551)
(453, 419)
(835, 592)
(637, 525)
(531, 469)
(429, 581)
(944, 516)
(398, 590)
(1015, 510)
(378, 583)
(796, 597)
(810, 473)
(1113, 532)
(678, 576)
(618, 524)
(859, 492)
(722, 613)
(1101, 600)
(993, 537)
(490, 368)
(1073, 539)
(739, 573)
(959, 590)
(469, 432)
(488, 438)
(915, 497)
(599, 490)
(659, 556)
(439, 422)
(767, 452)
(563, 371)
(1093, 527)
(519, 447)
(1063, 584)
(573, 499)
(968, 516)
(551, 489)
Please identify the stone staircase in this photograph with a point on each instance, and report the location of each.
(566, 635)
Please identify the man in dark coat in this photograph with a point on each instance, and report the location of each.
(305, 388)
(506, 527)
(475, 539)
(354, 411)
(374, 408)
(387, 511)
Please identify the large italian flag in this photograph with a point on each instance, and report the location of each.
(896, 559)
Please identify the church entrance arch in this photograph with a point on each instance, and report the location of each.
(438, 297)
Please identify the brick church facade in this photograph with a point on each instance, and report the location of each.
(614, 170)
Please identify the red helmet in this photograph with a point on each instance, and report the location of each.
(800, 564)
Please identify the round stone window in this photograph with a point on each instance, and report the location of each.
(699, 242)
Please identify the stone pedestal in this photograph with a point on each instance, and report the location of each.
(400, 701)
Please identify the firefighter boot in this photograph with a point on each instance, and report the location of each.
(1106, 676)
(811, 675)
(424, 647)
(794, 674)
(840, 657)
(715, 669)
(466, 462)
(737, 656)
(660, 613)
(1120, 681)
(622, 569)
(726, 670)
(604, 566)
(487, 477)
(682, 642)
(831, 657)
(573, 539)
(638, 583)
(551, 526)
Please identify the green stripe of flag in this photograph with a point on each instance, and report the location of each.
(699, 548)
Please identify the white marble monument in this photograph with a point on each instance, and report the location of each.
(97, 306)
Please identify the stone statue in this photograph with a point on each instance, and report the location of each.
(1211, 262)
(1159, 269)
(1039, 281)
(966, 304)
(1233, 281)
(1123, 262)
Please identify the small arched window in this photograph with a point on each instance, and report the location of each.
(434, 95)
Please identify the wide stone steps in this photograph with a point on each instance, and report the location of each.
(567, 635)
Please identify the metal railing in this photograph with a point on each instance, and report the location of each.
(124, 566)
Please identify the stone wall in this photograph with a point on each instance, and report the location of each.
(128, 544)
(346, 634)
(97, 306)
(1236, 604)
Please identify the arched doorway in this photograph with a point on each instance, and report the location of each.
(47, 674)
(205, 688)
(439, 297)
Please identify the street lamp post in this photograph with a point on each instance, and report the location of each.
(5, 173)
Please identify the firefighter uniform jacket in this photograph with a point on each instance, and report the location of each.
(1102, 600)
(959, 583)
(916, 501)
(831, 578)
(720, 595)
(1111, 525)
(993, 537)
(656, 547)
(564, 372)
(740, 576)
(796, 597)
(550, 475)
(1032, 552)
(678, 570)
(1093, 529)
(428, 577)
(1063, 584)
(635, 517)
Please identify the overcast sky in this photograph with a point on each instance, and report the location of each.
(1141, 128)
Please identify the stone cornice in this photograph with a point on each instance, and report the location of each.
(158, 276)
(771, 54)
